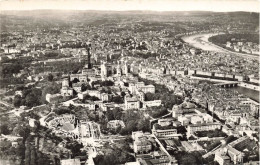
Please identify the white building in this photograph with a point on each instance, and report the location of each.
(70, 162)
(89, 129)
(66, 91)
(52, 98)
(154, 103)
(103, 71)
(96, 93)
(141, 142)
(113, 124)
(140, 86)
(202, 127)
(131, 103)
(164, 132)
(195, 119)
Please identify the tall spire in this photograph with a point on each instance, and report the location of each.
(89, 63)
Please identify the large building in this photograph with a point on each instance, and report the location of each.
(66, 90)
(96, 93)
(87, 70)
(141, 143)
(154, 158)
(202, 127)
(154, 103)
(89, 130)
(77, 86)
(235, 155)
(176, 111)
(164, 132)
(222, 158)
(131, 103)
(140, 86)
(79, 77)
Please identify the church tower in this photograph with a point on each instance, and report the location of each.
(103, 71)
(176, 112)
(89, 62)
(65, 82)
(118, 70)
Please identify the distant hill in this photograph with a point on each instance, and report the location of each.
(176, 21)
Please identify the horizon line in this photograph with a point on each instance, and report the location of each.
(132, 10)
(133, 5)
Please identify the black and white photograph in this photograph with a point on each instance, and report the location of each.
(129, 82)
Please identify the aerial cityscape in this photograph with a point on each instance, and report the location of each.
(132, 87)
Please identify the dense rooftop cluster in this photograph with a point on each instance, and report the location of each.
(126, 89)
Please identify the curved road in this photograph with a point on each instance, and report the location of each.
(201, 41)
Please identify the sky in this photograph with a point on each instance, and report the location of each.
(123, 5)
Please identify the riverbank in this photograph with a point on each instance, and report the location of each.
(201, 41)
(250, 93)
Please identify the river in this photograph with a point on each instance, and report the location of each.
(252, 94)
(201, 41)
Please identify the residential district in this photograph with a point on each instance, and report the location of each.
(125, 93)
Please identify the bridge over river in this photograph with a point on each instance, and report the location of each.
(227, 84)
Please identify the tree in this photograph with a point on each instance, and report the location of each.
(33, 156)
(27, 155)
(213, 145)
(118, 156)
(51, 88)
(31, 97)
(103, 83)
(75, 80)
(110, 115)
(86, 87)
(4, 129)
(143, 125)
(131, 126)
(118, 129)
(151, 96)
(20, 150)
(181, 130)
(22, 130)
(88, 97)
(42, 159)
(156, 112)
(230, 139)
(74, 147)
(123, 131)
(50, 77)
(117, 99)
(60, 111)
(187, 158)
(17, 100)
(81, 113)
(117, 113)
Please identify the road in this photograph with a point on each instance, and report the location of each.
(201, 41)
